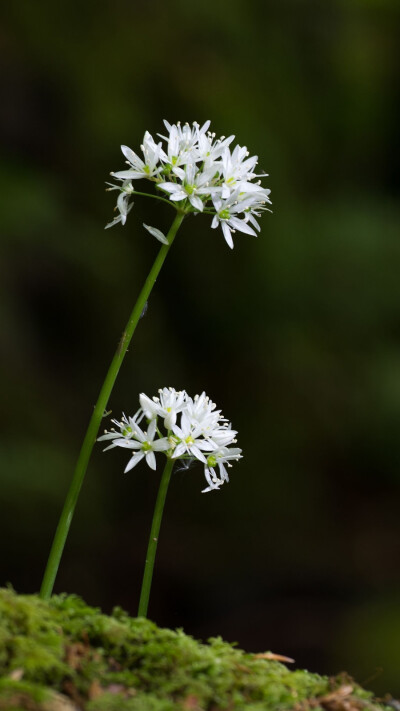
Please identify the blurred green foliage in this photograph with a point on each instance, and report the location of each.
(295, 335)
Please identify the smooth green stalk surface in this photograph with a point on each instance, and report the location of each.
(153, 540)
(98, 412)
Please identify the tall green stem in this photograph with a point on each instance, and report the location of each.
(98, 412)
(153, 540)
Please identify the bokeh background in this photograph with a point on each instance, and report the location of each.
(296, 335)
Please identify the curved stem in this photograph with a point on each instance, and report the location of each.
(155, 197)
(98, 412)
(153, 540)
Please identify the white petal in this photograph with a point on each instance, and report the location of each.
(180, 449)
(135, 460)
(149, 407)
(185, 423)
(170, 187)
(254, 222)
(126, 174)
(151, 430)
(212, 485)
(180, 195)
(161, 445)
(223, 472)
(127, 443)
(227, 234)
(151, 460)
(110, 446)
(205, 127)
(205, 445)
(177, 430)
(108, 435)
(242, 226)
(130, 155)
(179, 172)
(196, 202)
(138, 433)
(196, 453)
(114, 222)
(156, 233)
(170, 420)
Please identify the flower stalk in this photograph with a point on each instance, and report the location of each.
(98, 413)
(153, 540)
(194, 430)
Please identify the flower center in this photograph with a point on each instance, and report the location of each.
(211, 461)
(189, 440)
(127, 431)
(224, 214)
(190, 189)
(146, 446)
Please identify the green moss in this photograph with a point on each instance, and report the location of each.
(18, 695)
(119, 663)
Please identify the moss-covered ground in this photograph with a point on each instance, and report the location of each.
(63, 655)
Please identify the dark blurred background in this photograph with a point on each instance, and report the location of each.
(295, 335)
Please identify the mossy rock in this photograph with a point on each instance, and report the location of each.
(62, 655)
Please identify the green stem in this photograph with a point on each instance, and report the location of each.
(98, 413)
(153, 540)
(155, 197)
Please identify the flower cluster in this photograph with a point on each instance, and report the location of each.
(194, 429)
(198, 173)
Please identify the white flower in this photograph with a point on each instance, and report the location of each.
(220, 457)
(169, 403)
(122, 203)
(209, 150)
(182, 145)
(131, 436)
(195, 430)
(238, 203)
(147, 168)
(236, 171)
(201, 411)
(145, 445)
(127, 426)
(190, 440)
(222, 436)
(194, 183)
(199, 173)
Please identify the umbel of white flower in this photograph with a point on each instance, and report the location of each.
(193, 429)
(197, 172)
